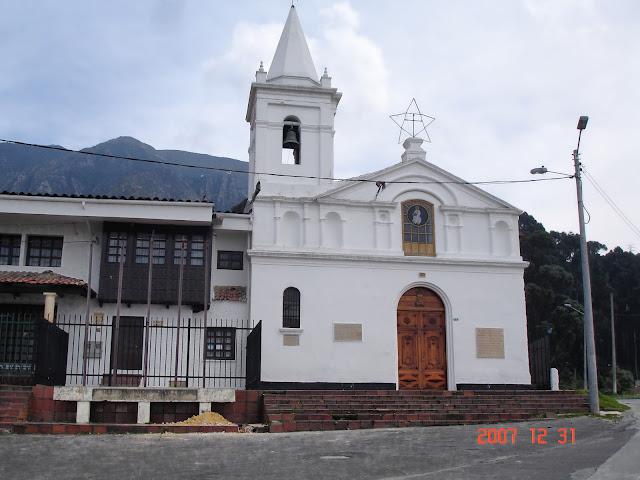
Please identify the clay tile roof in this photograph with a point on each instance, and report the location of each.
(39, 278)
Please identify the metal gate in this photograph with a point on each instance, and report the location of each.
(540, 363)
(254, 355)
(32, 351)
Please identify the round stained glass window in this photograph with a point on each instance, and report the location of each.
(418, 215)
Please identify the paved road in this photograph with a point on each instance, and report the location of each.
(603, 450)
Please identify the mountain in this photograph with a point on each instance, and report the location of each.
(40, 170)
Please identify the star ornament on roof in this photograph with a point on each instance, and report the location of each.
(412, 122)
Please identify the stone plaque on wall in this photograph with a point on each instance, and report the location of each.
(347, 332)
(489, 343)
(291, 340)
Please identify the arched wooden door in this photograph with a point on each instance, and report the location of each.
(422, 352)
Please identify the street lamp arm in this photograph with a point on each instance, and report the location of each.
(568, 305)
(542, 170)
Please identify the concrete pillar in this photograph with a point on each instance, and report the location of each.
(49, 305)
(555, 380)
(144, 412)
(205, 407)
(82, 412)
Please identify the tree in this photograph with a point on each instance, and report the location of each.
(554, 278)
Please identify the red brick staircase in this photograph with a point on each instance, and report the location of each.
(292, 411)
(14, 405)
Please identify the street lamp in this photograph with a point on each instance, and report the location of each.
(594, 403)
(584, 348)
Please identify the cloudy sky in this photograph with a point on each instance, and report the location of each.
(506, 81)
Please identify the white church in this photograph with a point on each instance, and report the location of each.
(419, 286)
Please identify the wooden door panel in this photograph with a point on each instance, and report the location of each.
(409, 381)
(432, 321)
(408, 320)
(433, 351)
(422, 357)
(408, 348)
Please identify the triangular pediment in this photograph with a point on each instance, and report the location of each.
(419, 176)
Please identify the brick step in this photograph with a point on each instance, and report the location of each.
(422, 409)
(376, 414)
(426, 406)
(423, 394)
(397, 416)
(331, 410)
(318, 425)
(331, 404)
(100, 428)
(390, 400)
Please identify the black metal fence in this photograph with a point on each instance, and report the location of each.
(540, 363)
(32, 351)
(124, 351)
(162, 352)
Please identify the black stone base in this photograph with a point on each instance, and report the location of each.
(320, 386)
(495, 386)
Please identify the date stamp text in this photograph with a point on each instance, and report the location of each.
(538, 436)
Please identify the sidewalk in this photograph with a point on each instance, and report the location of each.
(625, 463)
(429, 453)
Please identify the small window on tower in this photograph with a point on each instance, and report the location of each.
(291, 141)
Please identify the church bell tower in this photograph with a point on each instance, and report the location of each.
(291, 113)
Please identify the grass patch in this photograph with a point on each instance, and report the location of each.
(607, 402)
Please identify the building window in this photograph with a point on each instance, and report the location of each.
(228, 260)
(197, 250)
(44, 251)
(417, 228)
(159, 248)
(193, 249)
(117, 240)
(221, 343)
(291, 308)
(10, 249)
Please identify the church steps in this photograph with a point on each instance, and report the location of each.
(335, 410)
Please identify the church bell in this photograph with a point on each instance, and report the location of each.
(290, 140)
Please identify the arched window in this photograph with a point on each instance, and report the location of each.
(291, 141)
(291, 308)
(418, 237)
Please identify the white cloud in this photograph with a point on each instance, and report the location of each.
(251, 44)
(355, 59)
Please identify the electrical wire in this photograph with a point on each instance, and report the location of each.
(611, 203)
(228, 170)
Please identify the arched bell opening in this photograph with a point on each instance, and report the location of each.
(291, 141)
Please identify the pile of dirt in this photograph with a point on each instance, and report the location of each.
(207, 418)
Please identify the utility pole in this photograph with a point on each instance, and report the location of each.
(614, 386)
(592, 371)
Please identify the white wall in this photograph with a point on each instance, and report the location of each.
(367, 292)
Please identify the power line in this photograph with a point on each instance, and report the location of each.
(611, 203)
(229, 170)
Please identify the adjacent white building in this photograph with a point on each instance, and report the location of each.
(402, 278)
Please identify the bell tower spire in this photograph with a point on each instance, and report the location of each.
(291, 112)
(292, 62)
